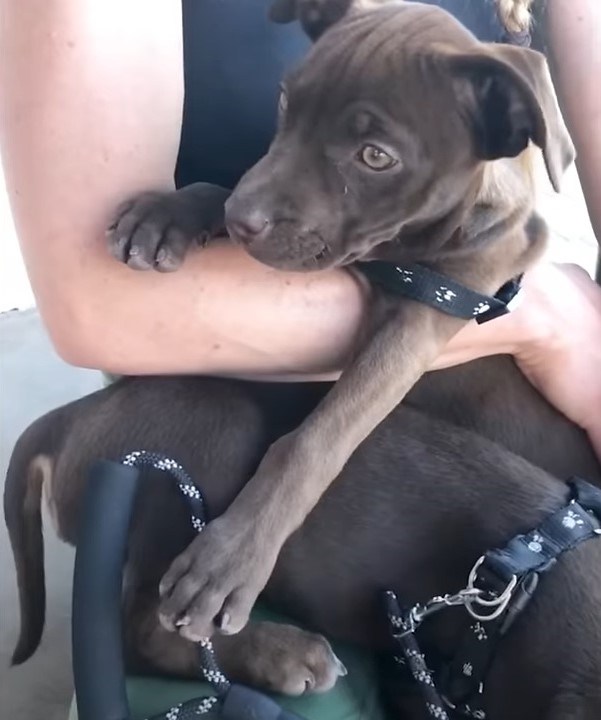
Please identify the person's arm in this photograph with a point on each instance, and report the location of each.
(90, 113)
(572, 37)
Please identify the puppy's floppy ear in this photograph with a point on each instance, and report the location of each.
(315, 16)
(510, 101)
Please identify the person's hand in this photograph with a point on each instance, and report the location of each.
(561, 350)
(555, 338)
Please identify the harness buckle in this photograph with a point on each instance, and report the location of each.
(498, 602)
(522, 597)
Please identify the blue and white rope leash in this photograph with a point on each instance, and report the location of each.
(207, 660)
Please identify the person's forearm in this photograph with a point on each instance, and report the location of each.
(91, 114)
(572, 29)
(222, 313)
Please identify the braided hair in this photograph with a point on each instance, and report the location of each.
(516, 18)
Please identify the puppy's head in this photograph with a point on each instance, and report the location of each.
(383, 132)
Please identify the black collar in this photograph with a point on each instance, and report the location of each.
(426, 286)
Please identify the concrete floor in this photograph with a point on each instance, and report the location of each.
(33, 380)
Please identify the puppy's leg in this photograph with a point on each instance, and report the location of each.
(265, 655)
(223, 571)
(150, 649)
(279, 658)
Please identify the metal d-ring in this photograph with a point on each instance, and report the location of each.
(499, 602)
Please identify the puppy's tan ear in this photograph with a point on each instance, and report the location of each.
(512, 103)
(315, 16)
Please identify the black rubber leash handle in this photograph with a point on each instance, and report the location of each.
(243, 703)
(98, 666)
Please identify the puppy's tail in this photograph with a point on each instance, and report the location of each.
(30, 466)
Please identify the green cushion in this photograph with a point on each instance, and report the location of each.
(109, 378)
(355, 697)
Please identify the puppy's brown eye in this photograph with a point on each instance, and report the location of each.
(375, 158)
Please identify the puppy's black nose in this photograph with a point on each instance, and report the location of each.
(247, 227)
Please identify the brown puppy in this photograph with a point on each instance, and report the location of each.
(419, 501)
(401, 138)
(372, 528)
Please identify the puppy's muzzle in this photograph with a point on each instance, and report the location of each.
(283, 244)
(248, 227)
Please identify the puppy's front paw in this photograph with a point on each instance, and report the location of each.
(282, 659)
(155, 229)
(214, 583)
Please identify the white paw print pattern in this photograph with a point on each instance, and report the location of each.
(397, 622)
(214, 676)
(419, 668)
(418, 658)
(173, 713)
(131, 458)
(443, 294)
(206, 705)
(197, 523)
(480, 308)
(407, 275)
(167, 464)
(536, 543)
(467, 669)
(423, 677)
(436, 711)
(571, 520)
(479, 631)
(190, 491)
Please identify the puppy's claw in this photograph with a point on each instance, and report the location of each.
(341, 667)
(223, 621)
(203, 239)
